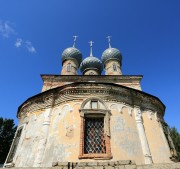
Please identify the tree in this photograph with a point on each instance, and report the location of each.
(7, 131)
(176, 140)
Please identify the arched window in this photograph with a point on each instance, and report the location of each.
(95, 132)
(114, 68)
(68, 67)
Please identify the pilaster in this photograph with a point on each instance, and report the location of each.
(142, 136)
(44, 136)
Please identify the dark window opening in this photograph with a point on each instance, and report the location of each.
(114, 68)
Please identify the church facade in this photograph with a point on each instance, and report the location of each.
(91, 117)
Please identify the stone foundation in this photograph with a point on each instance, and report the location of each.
(126, 164)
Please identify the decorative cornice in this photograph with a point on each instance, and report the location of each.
(79, 91)
(96, 78)
(53, 81)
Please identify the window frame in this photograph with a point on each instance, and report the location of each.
(94, 101)
(8, 163)
(68, 67)
(87, 113)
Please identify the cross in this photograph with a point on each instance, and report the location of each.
(91, 44)
(75, 38)
(109, 40)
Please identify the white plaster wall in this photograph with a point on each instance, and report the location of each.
(26, 152)
(157, 141)
(63, 136)
(125, 142)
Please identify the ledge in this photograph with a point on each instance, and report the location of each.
(124, 164)
(86, 78)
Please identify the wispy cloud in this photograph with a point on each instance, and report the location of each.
(30, 47)
(18, 42)
(6, 29)
(27, 44)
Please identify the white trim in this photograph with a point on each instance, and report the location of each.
(142, 136)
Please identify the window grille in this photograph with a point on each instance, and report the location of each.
(94, 141)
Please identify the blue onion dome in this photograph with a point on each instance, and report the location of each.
(91, 62)
(72, 53)
(111, 53)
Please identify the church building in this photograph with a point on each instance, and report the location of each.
(91, 117)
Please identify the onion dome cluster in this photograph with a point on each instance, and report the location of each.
(91, 62)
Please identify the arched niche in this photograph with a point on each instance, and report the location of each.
(94, 103)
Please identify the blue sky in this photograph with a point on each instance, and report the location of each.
(34, 33)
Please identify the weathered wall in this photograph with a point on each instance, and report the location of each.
(125, 143)
(53, 81)
(31, 135)
(64, 134)
(73, 67)
(156, 139)
(53, 135)
(109, 68)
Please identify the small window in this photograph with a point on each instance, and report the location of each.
(114, 68)
(68, 67)
(94, 141)
(94, 104)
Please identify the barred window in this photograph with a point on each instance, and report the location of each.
(94, 141)
(95, 131)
